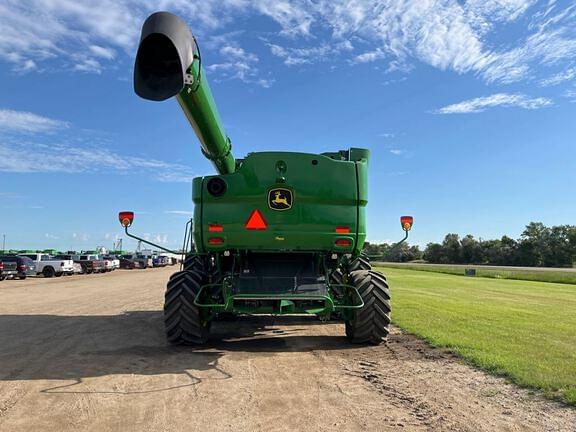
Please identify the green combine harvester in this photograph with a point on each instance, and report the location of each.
(274, 233)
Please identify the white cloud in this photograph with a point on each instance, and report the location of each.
(299, 56)
(369, 56)
(396, 152)
(237, 63)
(23, 121)
(387, 135)
(500, 10)
(81, 236)
(500, 99)
(156, 238)
(51, 236)
(22, 152)
(180, 212)
(107, 53)
(464, 37)
(570, 94)
(559, 78)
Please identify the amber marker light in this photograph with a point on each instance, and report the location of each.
(126, 218)
(406, 222)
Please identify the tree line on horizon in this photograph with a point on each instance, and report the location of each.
(538, 246)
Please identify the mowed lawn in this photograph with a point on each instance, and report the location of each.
(520, 329)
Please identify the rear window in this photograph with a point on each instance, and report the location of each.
(45, 258)
(83, 257)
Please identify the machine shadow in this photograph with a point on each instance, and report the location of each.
(55, 347)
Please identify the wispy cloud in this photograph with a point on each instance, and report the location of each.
(180, 212)
(27, 157)
(559, 78)
(396, 152)
(51, 236)
(293, 56)
(81, 236)
(570, 94)
(156, 238)
(464, 37)
(26, 146)
(237, 63)
(23, 121)
(496, 100)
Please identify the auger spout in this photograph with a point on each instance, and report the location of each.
(168, 63)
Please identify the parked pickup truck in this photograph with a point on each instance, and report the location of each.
(89, 263)
(8, 269)
(51, 266)
(112, 263)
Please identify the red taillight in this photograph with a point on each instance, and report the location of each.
(215, 228)
(215, 241)
(343, 242)
(342, 230)
(1, 265)
(256, 221)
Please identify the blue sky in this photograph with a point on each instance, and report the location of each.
(468, 108)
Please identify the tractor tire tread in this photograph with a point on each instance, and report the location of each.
(371, 323)
(182, 319)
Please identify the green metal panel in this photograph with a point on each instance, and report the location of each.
(326, 195)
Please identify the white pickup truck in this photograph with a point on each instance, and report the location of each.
(112, 263)
(49, 267)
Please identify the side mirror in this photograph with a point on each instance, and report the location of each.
(406, 222)
(126, 218)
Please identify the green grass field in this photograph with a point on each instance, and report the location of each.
(556, 275)
(523, 330)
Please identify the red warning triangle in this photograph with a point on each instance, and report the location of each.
(256, 221)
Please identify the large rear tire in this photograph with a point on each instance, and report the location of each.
(185, 323)
(371, 323)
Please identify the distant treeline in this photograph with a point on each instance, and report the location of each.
(538, 246)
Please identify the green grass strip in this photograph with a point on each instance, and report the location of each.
(554, 276)
(522, 330)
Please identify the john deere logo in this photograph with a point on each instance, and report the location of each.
(280, 199)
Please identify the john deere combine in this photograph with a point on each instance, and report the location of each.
(273, 233)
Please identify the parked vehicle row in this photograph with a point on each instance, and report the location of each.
(17, 266)
(20, 266)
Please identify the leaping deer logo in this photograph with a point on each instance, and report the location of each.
(280, 199)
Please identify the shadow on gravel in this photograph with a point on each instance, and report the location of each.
(55, 347)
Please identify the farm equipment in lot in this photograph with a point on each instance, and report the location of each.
(273, 233)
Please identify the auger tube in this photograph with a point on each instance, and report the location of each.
(168, 63)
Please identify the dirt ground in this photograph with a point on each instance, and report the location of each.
(87, 353)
